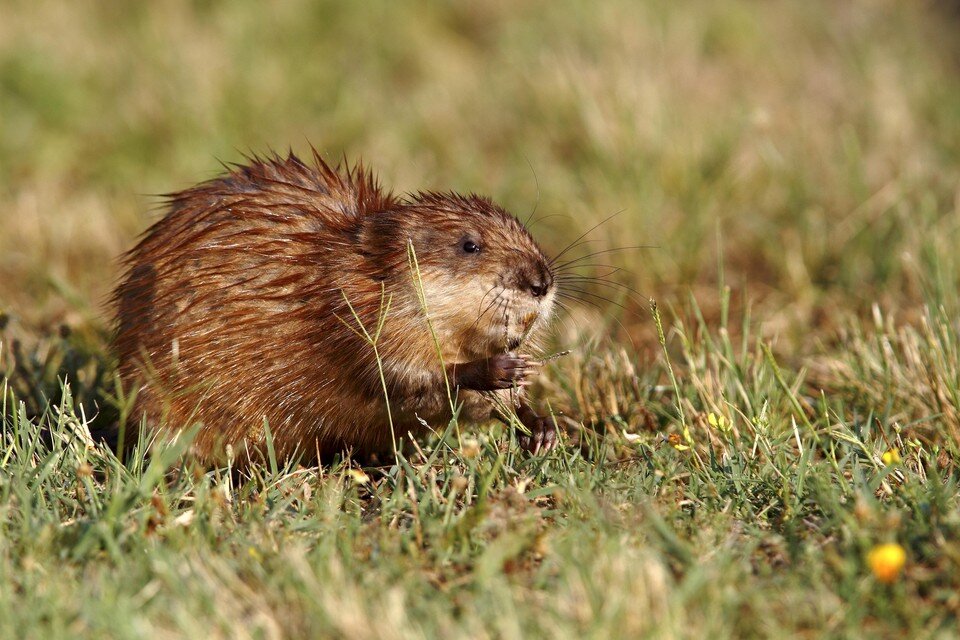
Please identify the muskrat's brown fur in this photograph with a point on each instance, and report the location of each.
(233, 311)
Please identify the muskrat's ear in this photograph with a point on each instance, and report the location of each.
(380, 229)
(382, 242)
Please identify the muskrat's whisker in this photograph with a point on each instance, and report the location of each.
(530, 224)
(506, 325)
(488, 307)
(573, 244)
(573, 261)
(578, 293)
(536, 202)
(613, 284)
(615, 319)
(502, 307)
(599, 297)
(598, 306)
(480, 317)
(582, 243)
(568, 311)
(495, 298)
(568, 317)
(569, 296)
(593, 265)
(592, 274)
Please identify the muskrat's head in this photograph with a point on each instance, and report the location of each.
(487, 286)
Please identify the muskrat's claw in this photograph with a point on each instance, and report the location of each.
(543, 434)
(502, 371)
(508, 370)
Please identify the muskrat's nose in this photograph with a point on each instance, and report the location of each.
(541, 282)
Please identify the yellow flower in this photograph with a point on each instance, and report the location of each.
(719, 422)
(358, 476)
(891, 457)
(677, 442)
(470, 448)
(886, 561)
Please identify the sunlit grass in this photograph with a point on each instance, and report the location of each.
(776, 503)
(794, 168)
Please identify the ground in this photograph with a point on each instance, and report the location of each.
(763, 389)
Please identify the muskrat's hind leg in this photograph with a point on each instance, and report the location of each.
(543, 430)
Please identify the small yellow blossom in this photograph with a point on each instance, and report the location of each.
(886, 561)
(891, 456)
(719, 422)
(470, 448)
(358, 476)
(677, 442)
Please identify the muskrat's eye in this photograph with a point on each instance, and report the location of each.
(471, 247)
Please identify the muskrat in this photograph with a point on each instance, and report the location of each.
(305, 299)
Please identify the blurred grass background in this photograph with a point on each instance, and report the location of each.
(804, 154)
(810, 150)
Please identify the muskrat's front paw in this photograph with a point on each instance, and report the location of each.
(543, 435)
(502, 371)
(507, 370)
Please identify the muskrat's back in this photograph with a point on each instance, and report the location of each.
(243, 307)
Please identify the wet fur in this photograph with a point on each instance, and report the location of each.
(233, 308)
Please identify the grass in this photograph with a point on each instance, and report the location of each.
(723, 472)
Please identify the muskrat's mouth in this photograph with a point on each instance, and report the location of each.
(527, 323)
